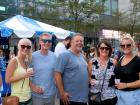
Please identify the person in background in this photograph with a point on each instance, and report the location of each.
(2, 60)
(1, 52)
(91, 53)
(42, 83)
(117, 55)
(11, 55)
(54, 43)
(0, 89)
(62, 46)
(101, 73)
(127, 71)
(71, 74)
(138, 54)
(17, 73)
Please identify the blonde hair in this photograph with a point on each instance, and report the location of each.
(29, 56)
(128, 37)
(45, 34)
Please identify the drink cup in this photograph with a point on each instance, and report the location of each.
(30, 69)
(117, 81)
(43, 89)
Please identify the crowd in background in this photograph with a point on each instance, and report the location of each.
(69, 75)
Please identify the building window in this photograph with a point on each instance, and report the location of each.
(114, 6)
(107, 6)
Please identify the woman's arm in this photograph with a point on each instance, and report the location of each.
(9, 78)
(89, 69)
(135, 84)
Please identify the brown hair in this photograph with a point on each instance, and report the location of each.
(107, 44)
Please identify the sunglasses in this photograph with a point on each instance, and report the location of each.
(24, 46)
(46, 40)
(104, 48)
(125, 45)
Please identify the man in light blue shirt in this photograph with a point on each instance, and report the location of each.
(42, 83)
(71, 74)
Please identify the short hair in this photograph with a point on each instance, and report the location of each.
(68, 38)
(77, 34)
(45, 34)
(107, 44)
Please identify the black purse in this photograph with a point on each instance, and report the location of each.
(96, 97)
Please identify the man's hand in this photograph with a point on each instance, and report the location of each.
(65, 98)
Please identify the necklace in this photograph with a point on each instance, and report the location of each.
(102, 64)
(126, 60)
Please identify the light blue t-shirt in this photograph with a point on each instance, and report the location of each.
(43, 68)
(74, 75)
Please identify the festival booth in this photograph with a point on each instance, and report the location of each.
(24, 27)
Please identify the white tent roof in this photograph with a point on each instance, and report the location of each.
(25, 28)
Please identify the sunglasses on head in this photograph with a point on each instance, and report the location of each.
(104, 48)
(125, 45)
(24, 46)
(46, 40)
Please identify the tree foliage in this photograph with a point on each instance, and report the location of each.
(129, 20)
(78, 15)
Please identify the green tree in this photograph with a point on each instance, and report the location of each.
(80, 15)
(129, 20)
(27, 7)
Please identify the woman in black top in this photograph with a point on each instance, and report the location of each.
(127, 71)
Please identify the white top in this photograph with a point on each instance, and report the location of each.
(60, 48)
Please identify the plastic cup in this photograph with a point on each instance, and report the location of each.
(117, 81)
(30, 69)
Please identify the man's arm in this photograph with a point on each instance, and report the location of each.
(64, 95)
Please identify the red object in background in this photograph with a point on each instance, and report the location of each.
(139, 45)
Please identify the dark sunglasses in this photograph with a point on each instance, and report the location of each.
(46, 40)
(104, 48)
(125, 45)
(24, 46)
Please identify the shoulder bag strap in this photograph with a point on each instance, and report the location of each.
(104, 75)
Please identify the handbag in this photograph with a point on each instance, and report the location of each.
(10, 100)
(96, 97)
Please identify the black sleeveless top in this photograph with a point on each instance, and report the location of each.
(129, 72)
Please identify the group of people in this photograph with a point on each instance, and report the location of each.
(37, 77)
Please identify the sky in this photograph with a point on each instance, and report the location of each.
(124, 5)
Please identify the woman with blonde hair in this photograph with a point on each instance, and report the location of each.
(18, 74)
(127, 73)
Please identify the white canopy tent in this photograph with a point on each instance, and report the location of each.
(25, 27)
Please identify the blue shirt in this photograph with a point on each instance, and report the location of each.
(43, 68)
(74, 74)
